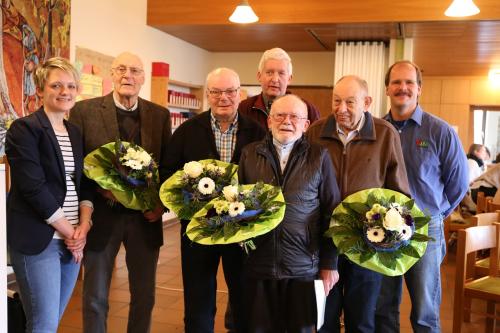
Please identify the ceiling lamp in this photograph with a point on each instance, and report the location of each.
(243, 13)
(461, 8)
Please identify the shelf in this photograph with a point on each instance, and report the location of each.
(159, 93)
(179, 106)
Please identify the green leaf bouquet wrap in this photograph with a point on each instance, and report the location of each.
(190, 188)
(242, 213)
(128, 171)
(380, 229)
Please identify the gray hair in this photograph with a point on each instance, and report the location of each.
(275, 54)
(219, 71)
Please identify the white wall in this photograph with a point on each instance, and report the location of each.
(309, 68)
(113, 26)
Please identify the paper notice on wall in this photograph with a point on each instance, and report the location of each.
(91, 85)
(320, 302)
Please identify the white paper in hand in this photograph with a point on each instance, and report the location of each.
(320, 302)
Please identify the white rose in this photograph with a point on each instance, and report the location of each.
(393, 220)
(193, 169)
(230, 192)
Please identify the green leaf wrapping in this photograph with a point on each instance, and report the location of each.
(346, 231)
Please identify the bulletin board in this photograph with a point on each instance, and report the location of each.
(95, 70)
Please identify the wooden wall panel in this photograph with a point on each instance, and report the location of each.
(431, 91)
(458, 115)
(321, 97)
(482, 93)
(455, 91)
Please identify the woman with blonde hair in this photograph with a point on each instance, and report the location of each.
(46, 222)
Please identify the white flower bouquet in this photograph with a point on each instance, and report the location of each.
(190, 188)
(128, 171)
(380, 229)
(243, 212)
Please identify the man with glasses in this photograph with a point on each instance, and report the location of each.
(438, 175)
(366, 153)
(219, 133)
(122, 114)
(280, 272)
(274, 74)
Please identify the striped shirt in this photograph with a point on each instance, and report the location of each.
(70, 205)
(225, 141)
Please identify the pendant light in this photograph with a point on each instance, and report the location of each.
(461, 8)
(243, 13)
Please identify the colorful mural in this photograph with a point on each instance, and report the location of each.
(32, 31)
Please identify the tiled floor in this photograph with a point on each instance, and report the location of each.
(168, 311)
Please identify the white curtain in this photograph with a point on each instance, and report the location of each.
(367, 60)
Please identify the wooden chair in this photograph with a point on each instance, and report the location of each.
(481, 205)
(451, 226)
(487, 288)
(493, 206)
(481, 267)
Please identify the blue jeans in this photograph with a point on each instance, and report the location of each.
(424, 286)
(46, 281)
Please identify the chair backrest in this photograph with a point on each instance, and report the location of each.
(486, 218)
(493, 206)
(478, 238)
(480, 203)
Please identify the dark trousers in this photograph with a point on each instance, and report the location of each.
(356, 293)
(280, 306)
(199, 276)
(141, 260)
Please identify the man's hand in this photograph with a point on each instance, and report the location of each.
(329, 278)
(153, 215)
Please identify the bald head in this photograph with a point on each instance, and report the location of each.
(223, 94)
(127, 73)
(350, 100)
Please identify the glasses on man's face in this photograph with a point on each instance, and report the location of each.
(280, 117)
(216, 93)
(134, 71)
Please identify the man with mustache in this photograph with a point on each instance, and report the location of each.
(366, 153)
(274, 75)
(438, 175)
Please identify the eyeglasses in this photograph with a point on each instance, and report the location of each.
(216, 93)
(280, 117)
(134, 71)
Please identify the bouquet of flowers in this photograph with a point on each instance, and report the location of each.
(380, 229)
(190, 188)
(242, 213)
(128, 171)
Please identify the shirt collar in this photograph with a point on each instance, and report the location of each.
(416, 116)
(280, 146)
(216, 123)
(361, 122)
(121, 106)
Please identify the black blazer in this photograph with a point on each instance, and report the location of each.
(38, 181)
(96, 119)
